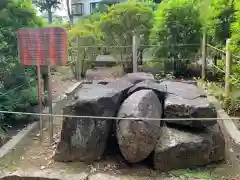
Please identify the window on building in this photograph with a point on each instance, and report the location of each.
(93, 6)
(78, 9)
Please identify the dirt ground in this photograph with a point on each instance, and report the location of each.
(36, 157)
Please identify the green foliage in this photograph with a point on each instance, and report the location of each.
(16, 91)
(84, 33)
(176, 22)
(122, 21)
(114, 28)
(230, 103)
(220, 15)
(194, 173)
(16, 14)
(117, 26)
(47, 4)
(236, 29)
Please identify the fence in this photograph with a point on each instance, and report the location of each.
(221, 61)
(87, 55)
(133, 57)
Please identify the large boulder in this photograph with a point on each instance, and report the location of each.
(184, 90)
(177, 149)
(84, 139)
(187, 101)
(177, 107)
(137, 138)
(138, 77)
(159, 89)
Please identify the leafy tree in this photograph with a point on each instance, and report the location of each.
(220, 20)
(84, 33)
(70, 15)
(236, 28)
(176, 22)
(117, 26)
(17, 86)
(48, 5)
(121, 22)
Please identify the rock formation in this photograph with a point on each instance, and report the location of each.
(173, 143)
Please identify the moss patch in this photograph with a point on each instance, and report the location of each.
(196, 173)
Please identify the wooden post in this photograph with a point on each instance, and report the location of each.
(204, 56)
(134, 53)
(40, 100)
(50, 104)
(78, 64)
(228, 65)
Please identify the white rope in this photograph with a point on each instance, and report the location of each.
(216, 48)
(218, 68)
(130, 46)
(118, 118)
(224, 72)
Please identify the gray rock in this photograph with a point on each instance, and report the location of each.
(122, 85)
(178, 107)
(193, 82)
(177, 149)
(84, 139)
(137, 138)
(138, 77)
(187, 101)
(184, 90)
(159, 89)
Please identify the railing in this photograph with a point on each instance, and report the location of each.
(228, 60)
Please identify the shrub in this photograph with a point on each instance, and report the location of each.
(236, 29)
(16, 93)
(177, 22)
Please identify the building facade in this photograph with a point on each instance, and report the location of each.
(86, 7)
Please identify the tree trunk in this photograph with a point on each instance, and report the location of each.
(69, 11)
(49, 15)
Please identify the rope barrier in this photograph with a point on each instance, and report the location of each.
(169, 45)
(117, 118)
(218, 68)
(224, 72)
(130, 46)
(238, 57)
(216, 48)
(235, 56)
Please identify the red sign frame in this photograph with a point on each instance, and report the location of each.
(42, 46)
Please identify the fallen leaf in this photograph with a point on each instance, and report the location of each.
(50, 162)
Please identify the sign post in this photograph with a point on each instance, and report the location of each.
(40, 99)
(43, 47)
(50, 103)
